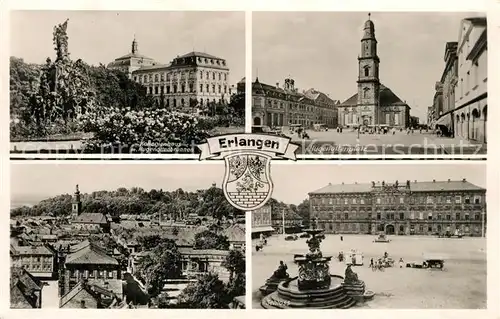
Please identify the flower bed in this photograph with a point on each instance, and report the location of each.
(130, 131)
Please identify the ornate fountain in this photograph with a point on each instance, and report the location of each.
(315, 287)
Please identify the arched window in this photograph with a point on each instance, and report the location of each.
(367, 71)
(366, 92)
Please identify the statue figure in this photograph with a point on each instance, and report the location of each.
(61, 40)
(281, 272)
(313, 244)
(350, 275)
(77, 188)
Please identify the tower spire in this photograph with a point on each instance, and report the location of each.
(369, 15)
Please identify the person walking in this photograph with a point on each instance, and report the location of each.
(401, 263)
(371, 263)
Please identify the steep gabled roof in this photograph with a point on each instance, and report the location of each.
(90, 254)
(81, 286)
(234, 233)
(91, 218)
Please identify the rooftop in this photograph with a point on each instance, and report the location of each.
(415, 186)
(89, 254)
(91, 218)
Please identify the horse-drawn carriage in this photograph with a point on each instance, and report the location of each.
(430, 261)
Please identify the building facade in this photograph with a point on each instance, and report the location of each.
(374, 104)
(85, 261)
(261, 221)
(190, 81)
(411, 208)
(470, 113)
(276, 106)
(444, 99)
(38, 260)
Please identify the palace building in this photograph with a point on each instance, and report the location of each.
(191, 80)
(411, 208)
(276, 106)
(374, 104)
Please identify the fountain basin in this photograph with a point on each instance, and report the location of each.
(289, 296)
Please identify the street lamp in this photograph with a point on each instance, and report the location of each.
(283, 217)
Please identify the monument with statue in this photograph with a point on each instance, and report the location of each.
(315, 286)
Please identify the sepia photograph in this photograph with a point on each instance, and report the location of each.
(359, 83)
(124, 82)
(124, 236)
(398, 236)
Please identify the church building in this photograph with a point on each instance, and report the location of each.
(374, 104)
(90, 222)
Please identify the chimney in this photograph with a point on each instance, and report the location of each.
(449, 180)
(342, 183)
(464, 180)
(433, 180)
(415, 181)
(277, 85)
(330, 184)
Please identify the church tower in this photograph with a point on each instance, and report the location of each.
(368, 77)
(76, 207)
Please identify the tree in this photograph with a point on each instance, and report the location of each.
(208, 292)
(150, 241)
(210, 240)
(162, 263)
(234, 263)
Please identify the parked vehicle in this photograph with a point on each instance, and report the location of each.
(382, 238)
(291, 237)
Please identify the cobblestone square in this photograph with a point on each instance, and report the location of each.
(461, 285)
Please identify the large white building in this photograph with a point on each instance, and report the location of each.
(471, 103)
(190, 81)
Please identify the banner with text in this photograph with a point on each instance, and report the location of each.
(218, 146)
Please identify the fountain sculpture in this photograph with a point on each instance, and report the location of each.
(315, 287)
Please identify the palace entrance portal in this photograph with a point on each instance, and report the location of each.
(389, 230)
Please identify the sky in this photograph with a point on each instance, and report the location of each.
(31, 183)
(320, 50)
(292, 181)
(102, 36)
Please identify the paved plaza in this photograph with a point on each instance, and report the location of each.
(399, 143)
(461, 285)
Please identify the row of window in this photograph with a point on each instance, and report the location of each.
(160, 77)
(184, 102)
(37, 267)
(183, 89)
(401, 200)
(366, 227)
(97, 274)
(47, 259)
(402, 216)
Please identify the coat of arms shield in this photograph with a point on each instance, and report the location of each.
(247, 181)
